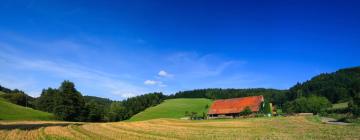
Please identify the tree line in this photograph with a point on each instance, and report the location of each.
(310, 96)
(314, 95)
(68, 104)
(337, 87)
(17, 96)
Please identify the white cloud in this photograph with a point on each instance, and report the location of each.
(150, 82)
(163, 73)
(153, 82)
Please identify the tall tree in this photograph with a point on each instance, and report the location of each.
(70, 103)
(47, 100)
(95, 111)
(116, 112)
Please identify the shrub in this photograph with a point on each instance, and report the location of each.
(247, 111)
(354, 105)
(312, 104)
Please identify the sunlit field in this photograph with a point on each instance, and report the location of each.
(253, 128)
(173, 108)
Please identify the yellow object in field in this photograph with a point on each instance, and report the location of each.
(271, 108)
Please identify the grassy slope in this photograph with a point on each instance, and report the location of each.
(340, 105)
(10, 111)
(173, 108)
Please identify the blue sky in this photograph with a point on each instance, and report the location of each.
(119, 49)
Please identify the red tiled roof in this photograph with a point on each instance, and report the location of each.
(236, 105)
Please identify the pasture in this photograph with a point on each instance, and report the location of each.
(174, 108)
(297, 127)
(340, 105)
(10, 111)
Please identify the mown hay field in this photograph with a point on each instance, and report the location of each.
(297, 127)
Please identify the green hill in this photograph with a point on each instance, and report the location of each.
(173, 108)
(10, 111)
(337, 87)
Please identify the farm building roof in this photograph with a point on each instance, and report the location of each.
(236, 105)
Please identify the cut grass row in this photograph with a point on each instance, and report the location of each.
(296, 127)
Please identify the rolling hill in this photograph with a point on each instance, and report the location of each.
(10, 111)
(173, 108)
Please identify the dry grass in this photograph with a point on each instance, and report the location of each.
(254, 128)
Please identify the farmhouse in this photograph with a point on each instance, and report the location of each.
(230, 108)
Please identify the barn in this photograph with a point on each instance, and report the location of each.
(231, 108)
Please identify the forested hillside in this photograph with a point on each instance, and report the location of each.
(337, 87)
(17, 96)
(340, 86)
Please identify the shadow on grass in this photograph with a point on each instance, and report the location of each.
(33, 126)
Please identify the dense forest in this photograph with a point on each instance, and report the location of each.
(340, 86)
(310, 96)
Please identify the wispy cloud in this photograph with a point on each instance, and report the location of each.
(150, 82)
(111, 83)
(195, 65)
(66, 59)
(154, 83)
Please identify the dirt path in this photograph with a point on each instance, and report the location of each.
(332, 121)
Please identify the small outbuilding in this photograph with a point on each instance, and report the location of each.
(231, 108)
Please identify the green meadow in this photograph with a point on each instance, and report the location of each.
(10, 111)
(174, 108)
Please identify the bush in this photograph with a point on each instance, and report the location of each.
(313, 104)
(354, 105)
(247, 111)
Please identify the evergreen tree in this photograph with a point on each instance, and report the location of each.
(70, 103)
(95, 112)
(46, 101)
(116, 112)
